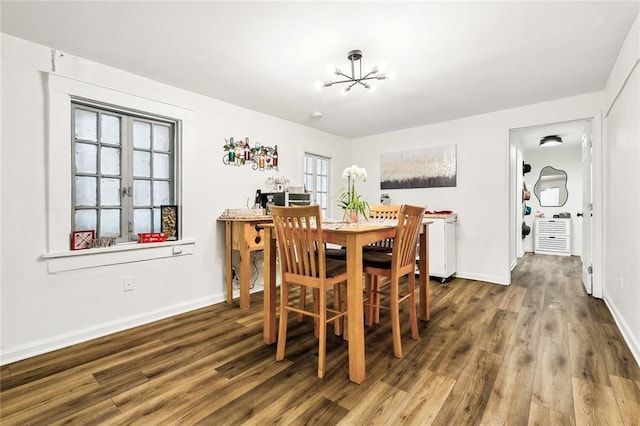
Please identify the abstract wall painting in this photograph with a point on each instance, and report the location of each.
(423, 168)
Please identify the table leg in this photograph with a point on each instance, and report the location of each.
(244, 276)
(423, 264)
(354, 301)
(228, 258)
(269, 310)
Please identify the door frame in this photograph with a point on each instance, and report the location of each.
(597, 184)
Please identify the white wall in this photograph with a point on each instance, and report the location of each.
(42, 311)
(482, 196)
(622, 190)
(568, 159)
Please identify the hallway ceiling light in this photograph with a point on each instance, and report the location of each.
(376, 73)
(551, 140)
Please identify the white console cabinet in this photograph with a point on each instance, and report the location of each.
(442, 245)
(553, 236)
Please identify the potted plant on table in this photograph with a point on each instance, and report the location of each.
(352, 202)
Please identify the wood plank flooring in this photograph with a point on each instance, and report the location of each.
(538, 352)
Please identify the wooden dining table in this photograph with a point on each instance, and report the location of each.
(353, 237)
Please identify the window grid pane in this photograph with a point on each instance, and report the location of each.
(86, 158)
(86, 125)
(110, 129)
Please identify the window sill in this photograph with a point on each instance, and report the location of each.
(116, 255)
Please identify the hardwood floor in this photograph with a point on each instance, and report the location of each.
(538, 352)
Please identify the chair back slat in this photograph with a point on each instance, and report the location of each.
(409, 221)
(384, 212)
(299, 236)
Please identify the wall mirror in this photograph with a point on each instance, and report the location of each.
(551, 187)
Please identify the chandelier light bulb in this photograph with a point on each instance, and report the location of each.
(330, 68)
(318, 85)
(391, 75)
(370, 88)
(345, 90)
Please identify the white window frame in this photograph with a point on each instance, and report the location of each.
(313, 174)
(61, 90)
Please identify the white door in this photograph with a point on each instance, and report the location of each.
(587, 210)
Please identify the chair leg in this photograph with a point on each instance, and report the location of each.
(376, 299)
(303, 301)
(395, 317)
(316, 309)
(413, 319)
(284, 314)
(337, 305)
(368, 283)
(322, 332)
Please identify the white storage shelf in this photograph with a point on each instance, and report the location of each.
(553, 236)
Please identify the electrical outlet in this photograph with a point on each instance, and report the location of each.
(620, 282)
(128, 283)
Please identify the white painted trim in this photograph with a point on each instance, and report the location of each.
(64, 340)
(122, 253)
(627, 334)
(485, 278)
(597, 221)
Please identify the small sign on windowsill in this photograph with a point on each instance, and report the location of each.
(81, 240)
(152, 237)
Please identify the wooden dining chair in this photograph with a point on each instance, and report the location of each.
(401, 262)
(303, 263)
(382, 212)
(375, 212)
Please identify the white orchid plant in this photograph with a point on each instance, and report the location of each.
(349, 198)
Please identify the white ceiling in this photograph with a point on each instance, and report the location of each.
(453, 59)
(528, 139)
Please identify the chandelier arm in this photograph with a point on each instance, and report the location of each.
(350, 80)
(345, 76)
(366, 77)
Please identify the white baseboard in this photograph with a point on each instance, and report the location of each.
(628, 336)
(67, 339)
(487, 278)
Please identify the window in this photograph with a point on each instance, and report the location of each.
(123, 171)
(316, 180)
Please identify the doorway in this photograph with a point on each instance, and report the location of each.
(574, 157)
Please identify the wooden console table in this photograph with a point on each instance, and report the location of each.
(241, 235)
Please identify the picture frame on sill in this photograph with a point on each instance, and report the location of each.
(81, 240)
(169, 221)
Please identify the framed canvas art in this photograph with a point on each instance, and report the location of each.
(423, 168)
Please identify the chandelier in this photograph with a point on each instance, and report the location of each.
(376, 73)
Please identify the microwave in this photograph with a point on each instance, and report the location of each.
(285, 198)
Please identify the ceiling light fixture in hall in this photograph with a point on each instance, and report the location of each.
(376, 73)
(551, 140)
